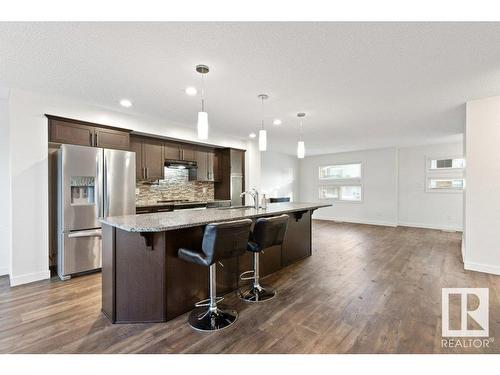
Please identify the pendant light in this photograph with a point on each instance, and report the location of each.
(301, 147)
(202, 115)
(262, 131)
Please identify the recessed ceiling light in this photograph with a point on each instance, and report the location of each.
(191, 91)
(252, 135)
(277, 122)
(125, 103)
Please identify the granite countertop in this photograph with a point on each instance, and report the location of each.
(164, 221)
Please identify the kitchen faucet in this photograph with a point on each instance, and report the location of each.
(254, 194)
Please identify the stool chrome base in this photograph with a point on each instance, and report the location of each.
(204, 319)
(256, 293)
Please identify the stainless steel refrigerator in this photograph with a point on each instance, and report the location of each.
(92, 182)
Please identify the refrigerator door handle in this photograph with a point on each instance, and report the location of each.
(99, 184)
(106, 185)
(86, 233)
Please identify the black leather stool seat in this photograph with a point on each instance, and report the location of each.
(267, 232)
(220, 241)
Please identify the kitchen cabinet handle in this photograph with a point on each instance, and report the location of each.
(146, 169)
(95, 139)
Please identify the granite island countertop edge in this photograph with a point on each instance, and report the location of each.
(166, 221)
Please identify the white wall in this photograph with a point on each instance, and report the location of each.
(482, 202)
(418, 208)
(393, 188)
(279, 175)
(379, 191)
(29, 168)
(5, 213)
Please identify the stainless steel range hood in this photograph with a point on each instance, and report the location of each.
(190, 166)
(180, 164)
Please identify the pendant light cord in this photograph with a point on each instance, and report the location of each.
(262, 123)
(203, 93)
(300, 132)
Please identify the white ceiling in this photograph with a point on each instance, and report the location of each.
(362, 85)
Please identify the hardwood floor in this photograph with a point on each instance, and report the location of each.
(366, 289)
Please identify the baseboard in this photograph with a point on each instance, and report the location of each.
(4, 271)
(356, 221)
(389, 224)
(429, 226)
(29, 278)
(479, 267)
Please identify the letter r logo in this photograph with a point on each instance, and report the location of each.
(479, 315)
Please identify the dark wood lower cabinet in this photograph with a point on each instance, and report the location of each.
(145, 281)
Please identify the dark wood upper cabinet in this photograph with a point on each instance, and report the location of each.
(202, 162)
(228, 161)
(149, 158)
(188, 153)
(136, 146)
(237, 161)
(153, 159)
(217, 166)
(172, 150)
(72, 133)
(108, 138)
(208, 164)
(76, 132)
(213, 164)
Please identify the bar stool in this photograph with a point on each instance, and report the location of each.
(267, 232)
(220, 241)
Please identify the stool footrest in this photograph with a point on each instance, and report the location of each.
(251, 272)
(206, 302)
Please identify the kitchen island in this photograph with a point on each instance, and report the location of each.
(143, 280)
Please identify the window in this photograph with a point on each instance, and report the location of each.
(456, 163)
(340, 182)
(340, 172)
(329, 192)
(445, 175)
(446, 184)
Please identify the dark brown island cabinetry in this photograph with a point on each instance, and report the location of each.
(160, 286)
(76, 132)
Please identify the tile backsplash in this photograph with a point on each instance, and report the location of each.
(175, 186)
